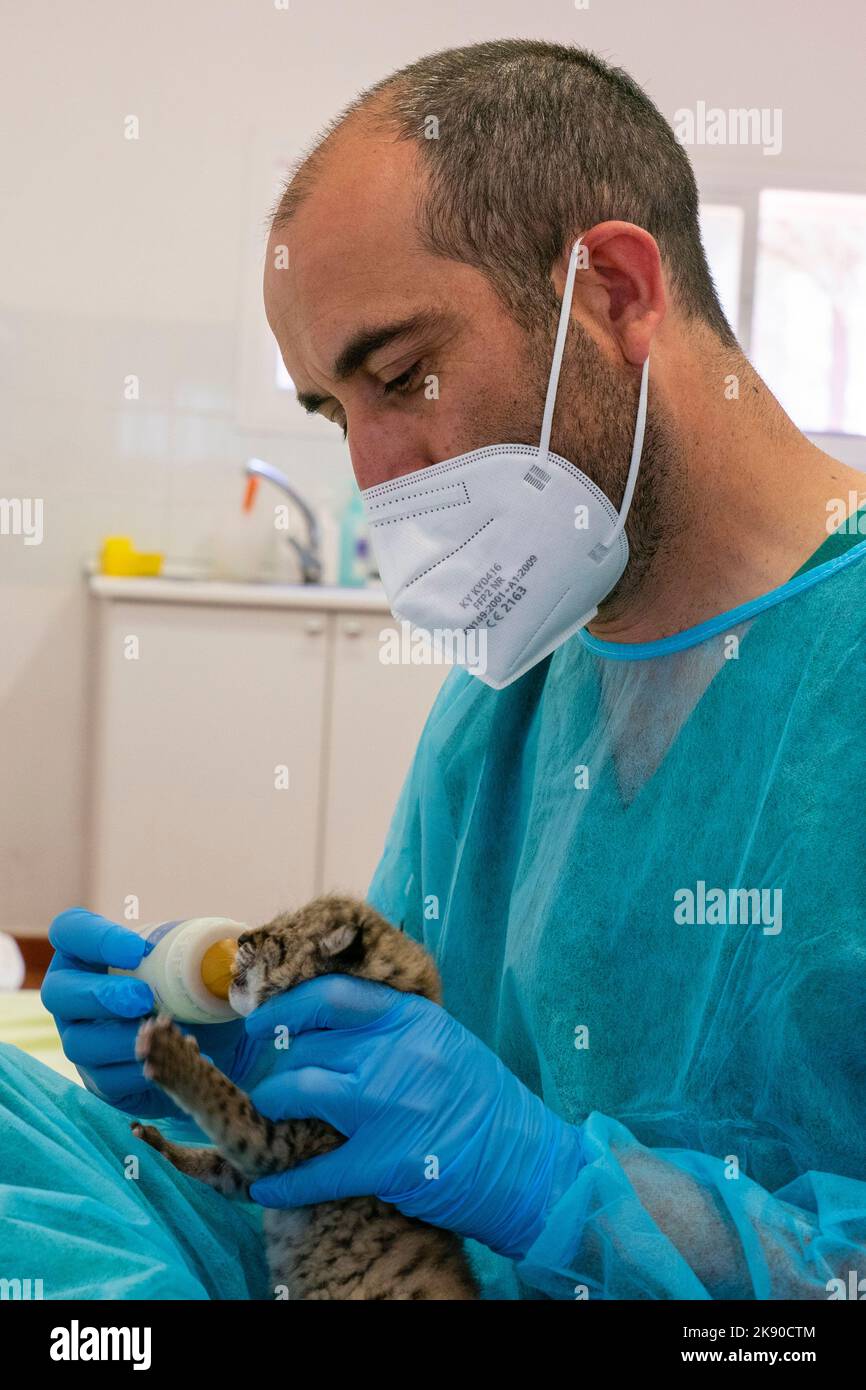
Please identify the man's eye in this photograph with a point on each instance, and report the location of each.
(402, 384)
(341, 424)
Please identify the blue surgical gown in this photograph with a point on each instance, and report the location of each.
(641, 873)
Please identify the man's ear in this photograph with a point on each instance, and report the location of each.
(344, 941)
(625, 287)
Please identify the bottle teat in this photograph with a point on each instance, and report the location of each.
(217, 964)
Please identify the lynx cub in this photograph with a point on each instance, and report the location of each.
(360, 1247)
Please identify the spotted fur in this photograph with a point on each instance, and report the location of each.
(357, 1248)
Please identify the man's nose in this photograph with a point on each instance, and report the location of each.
(382, 452)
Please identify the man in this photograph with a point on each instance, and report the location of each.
(635, 847)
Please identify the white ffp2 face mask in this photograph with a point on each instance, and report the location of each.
(509, 545)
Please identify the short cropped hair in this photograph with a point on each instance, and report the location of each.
(526, 143)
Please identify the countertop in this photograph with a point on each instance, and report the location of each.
(251, 595)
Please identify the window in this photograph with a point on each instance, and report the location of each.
(722, 235)
(809, 322)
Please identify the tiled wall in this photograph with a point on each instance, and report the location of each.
(166, 469)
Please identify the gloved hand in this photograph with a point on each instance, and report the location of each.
(98, 1014)
(435, 1123)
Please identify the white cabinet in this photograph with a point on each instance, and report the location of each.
(377, 712)
(244, 757)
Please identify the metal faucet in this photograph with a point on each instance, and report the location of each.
(309, 555)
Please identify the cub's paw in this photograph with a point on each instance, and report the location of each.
(150, 1134)
(165, 1050)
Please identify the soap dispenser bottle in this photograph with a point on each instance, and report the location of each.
(354, 543)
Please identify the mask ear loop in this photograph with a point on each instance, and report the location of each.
(547, 421)
(564, 314)
(636, 450)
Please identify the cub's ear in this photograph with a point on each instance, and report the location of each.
(344, 941)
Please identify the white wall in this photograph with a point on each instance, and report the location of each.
(122, 257)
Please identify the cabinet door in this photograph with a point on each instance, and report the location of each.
(193, 725)
(377, 713)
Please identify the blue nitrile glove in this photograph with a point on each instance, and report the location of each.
(98, 1014)
(435, 1123)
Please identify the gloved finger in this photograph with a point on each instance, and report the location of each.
(115, 1082)
(226, 1044)
(310, 1094)
(77, 995)
(324, 1179)
(152, 1104)
(220, 1037)
(334, 1051)
(98, 1044)
(61, 961)
(95, 940)
(140, 1099)
(330, 1001)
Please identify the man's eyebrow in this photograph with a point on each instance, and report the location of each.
(363, 343)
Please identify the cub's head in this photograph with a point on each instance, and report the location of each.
(331, 935)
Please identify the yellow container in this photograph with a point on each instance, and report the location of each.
(119, 557)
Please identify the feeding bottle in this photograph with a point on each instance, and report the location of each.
(189, 967)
